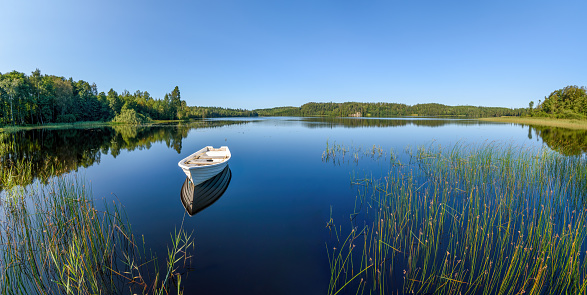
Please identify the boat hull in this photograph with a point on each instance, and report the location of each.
(201, 174)
(205, 163)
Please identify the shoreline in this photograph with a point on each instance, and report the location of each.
(79, 125)
(541, 121)
(55, 126)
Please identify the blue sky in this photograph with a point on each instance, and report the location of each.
(257, 54)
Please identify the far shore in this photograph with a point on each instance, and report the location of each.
(541, 121)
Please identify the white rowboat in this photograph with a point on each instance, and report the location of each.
(205, 163)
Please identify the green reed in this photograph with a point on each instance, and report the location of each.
(488, 219)
(53, 240)
(337, 153)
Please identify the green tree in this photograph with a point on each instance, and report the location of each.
(114, 102)
(15, 88)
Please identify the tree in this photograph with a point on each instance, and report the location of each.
(176, 97)
(46, 100)
(569, 102)
(114, 101)
(174, 102)
(15, 88)
(63, 99)
(9, 87)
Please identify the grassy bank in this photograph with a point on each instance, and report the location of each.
(541, 121)
(81, 125)
(57, 126)
(54, 240)
(487, 219)
(91, 125)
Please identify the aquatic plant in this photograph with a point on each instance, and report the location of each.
(337, 153)
(467, 219)
(54, 240)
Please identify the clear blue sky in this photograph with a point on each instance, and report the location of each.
(256, 54)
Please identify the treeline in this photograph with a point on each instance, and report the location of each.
(383, 110)
(42, 99)
(217, 112)
(568, 103)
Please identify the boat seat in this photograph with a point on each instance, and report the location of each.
(200, 163)
(211, 157)
(204, 160)
(203, 164)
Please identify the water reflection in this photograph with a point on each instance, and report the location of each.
(568, 142)
(58, 151)
(387, 122)
(199, 197)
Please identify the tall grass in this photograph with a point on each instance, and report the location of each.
(541, 121)
(488, 219)
(53, 240)
(337, 153)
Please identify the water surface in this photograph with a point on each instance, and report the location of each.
(267, 232)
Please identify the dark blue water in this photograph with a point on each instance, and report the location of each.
(267, 233)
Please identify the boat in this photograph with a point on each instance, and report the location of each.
(196, 198)
(205, 163)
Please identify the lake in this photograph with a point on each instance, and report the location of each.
(267, 233)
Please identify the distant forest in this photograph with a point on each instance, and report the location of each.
(383, 110)
(567, 103)
(43, 99)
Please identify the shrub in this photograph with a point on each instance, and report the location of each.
(131, 116)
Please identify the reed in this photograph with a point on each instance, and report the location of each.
(53, 240)
(468, 219)
(337, 153)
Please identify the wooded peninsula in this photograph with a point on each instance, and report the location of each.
(39, 99)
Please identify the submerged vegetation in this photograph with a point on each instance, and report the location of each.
(487, 219)
(54, 240)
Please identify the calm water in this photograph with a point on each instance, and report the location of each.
(266, 233)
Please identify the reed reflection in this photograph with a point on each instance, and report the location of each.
(199, 197)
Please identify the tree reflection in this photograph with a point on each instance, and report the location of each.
(565, 141)
(327, 122)
(51, 152)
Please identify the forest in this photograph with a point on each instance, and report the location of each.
(43, 99)
(567, 103)
(39, 99)
(383, 110)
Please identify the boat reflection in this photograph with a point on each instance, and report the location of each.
(199, 197)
